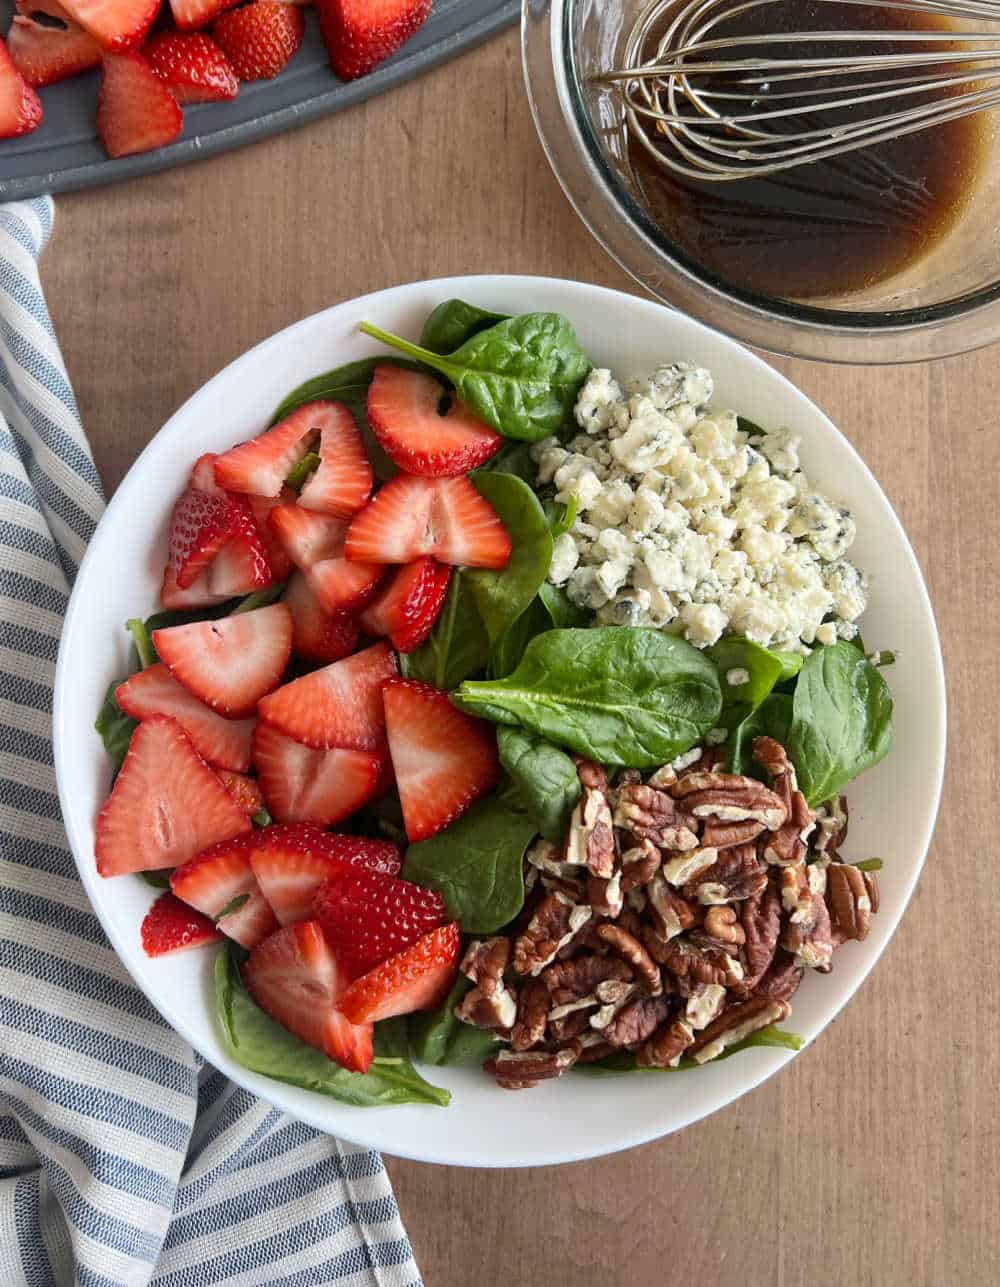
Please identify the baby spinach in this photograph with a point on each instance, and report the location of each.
(521, 376)
(114, 726)
(561, 517)
(158, 879)
(257, 1042)
(453, 322)
(634, 698)
(543, 778)
(841, 720)
(439, 1037)
(458, 645)
(502, 595)
(512, 458)
(623, 1061)
(764, 670)
(563, 612)
(509, 648)
(470, 1045)
(772, 718)
(143, 642)
(301, 471)
(476, 865)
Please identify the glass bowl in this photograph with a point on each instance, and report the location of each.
(946, 302)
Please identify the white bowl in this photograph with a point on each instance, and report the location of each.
(892, 808)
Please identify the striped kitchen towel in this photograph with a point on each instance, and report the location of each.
(124, 1159)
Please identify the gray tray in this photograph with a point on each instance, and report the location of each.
(63, 153)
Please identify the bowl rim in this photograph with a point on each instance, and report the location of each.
(620, 224)
(277, 1092)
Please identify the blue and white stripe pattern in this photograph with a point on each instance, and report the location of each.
(124, 1160)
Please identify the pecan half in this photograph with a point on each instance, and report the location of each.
(852, 897)
(735, 875)
(489, 1004)
(832, 821)
(631, 950)
(729, 797)
(734, 1024)
(569, 980)
(591, 840)
(639, 865)
(690, 866)
(521, 1070)
(636, 1021)
(796, 892)
(604, 894)
(649, 814)
(761, 920)
(782, 979)
(703, 962)
(665, 1047)
(704, 1004)
(722, 835)
(532, 1014)
(555, 921)
(788, 843)
(811, 944)
(721, 923)
(670, 913)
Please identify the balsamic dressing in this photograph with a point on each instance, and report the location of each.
(836, 226)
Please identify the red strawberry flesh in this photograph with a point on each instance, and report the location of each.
(46, 53)
(342, 483)
(404, 411)
(305, 785)
(224, 743)
(367, 916)
(193, 65)
(317, 634)
(259, 39)
(359, 34)
(408, 606)
(171, 926)
(417, 978)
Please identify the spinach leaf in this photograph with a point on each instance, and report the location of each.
(772, 718)
(520, 376)
(632, 698)
(257, 1042)
(158, 879)
(260, 598)
(509, 648)
(623, 1061)
(476, 864)
(764, 670)
(430, 1031)
(114, 726)
(749, 427)
(544, 779)
(841, 720)
(458, 645)
(143, 643)
(869, 864)
(561, 517)
(512, 458)
(471, 1045)
(791, 663)
(300, 472)
(453, 322)
(502, 595)
(564, 613)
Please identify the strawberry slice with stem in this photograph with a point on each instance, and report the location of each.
(408, 606)
(317, 635)
(444, 759)
(230, 663)
(338, 705)
(423, 428)
(166, 804)
(305, 785)
(418, 978)
(224, 743)
(294, 977)
(368, 917)
(172, 926)
(342, 483)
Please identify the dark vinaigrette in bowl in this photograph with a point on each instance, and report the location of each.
(837, 226)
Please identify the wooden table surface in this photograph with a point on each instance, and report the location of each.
(874, 1158)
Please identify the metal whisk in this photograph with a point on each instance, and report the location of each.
(704, 106)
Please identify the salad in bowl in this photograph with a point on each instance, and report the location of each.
(498, 718)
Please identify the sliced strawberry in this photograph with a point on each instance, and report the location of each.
(231, 663)
(221, 877)
(244, 790)
(342, 483)
(316, 634)
(417, 978)
(305, 536)
(224, 743)
(259, 467)
(343, 586)
(194, 67)
(201, 524)
(136, 112)
(406, 416)
(197, 594)
(260, 39)
(170, 926)
(444, 759)
(368, 917)
(242, 565)
(47, 52)
(303, 785)
(117, 25)
(294, 977)
(408, 606)
(338, 705)
(443, 517)
(359, 34)
(166, 804)
(260, 507)
(292, 860)
(20, 106)
(250, 921)
(191, 14)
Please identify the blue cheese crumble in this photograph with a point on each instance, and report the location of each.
(689, 524)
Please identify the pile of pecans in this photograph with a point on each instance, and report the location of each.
(677, 918)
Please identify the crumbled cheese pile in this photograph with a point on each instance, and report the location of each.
(689, 524)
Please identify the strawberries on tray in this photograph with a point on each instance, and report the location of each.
(406, 416)
(359, 34)
(444, 759)
(20, 106)
(224, 743)
(368, 916)
(259, 39)
(295, 978)
(48, 52)
(191, 14)
(193, 65)
(171, 926)
(418, 978)
(407, 607)
(135, 110)
(305, 785)
(231, 663)
(117, 25)
(166, 804)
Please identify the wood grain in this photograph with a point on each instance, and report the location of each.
(871, 1160)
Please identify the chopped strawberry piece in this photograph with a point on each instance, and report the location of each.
(343, 586)
(166, 804)
(231, 663)
(292, 860)
(221, 878)
(259, 467)
(250, 921)
(242, 565)
(342, 483)
(338, 705)
(20, 106)
(260, 507)
(136, 112)
(408, 606)
(201, 524)
(170, 926)
(368, 917)
(244, 790)
(443, 517)
(304, 785)
(317, 634)
(417, 978)
(191, 14)
(305, 536)
(260, 39)
(45, 53)
(196, 595)
(224, 743)
(359, 34)
(193, 65)
(294, 977)
(444, 759)
(117, 25)
(404, 411)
